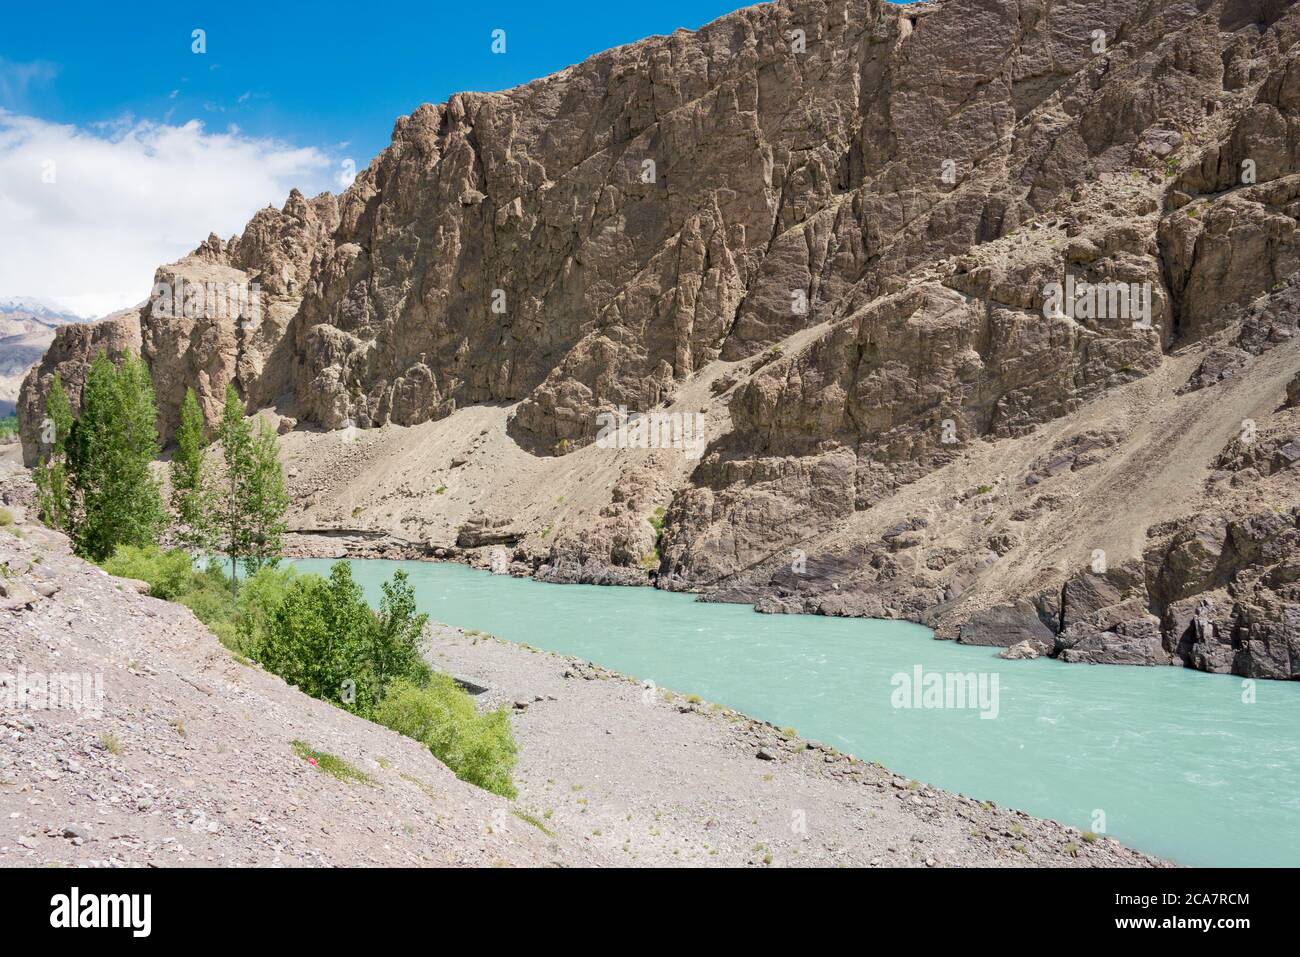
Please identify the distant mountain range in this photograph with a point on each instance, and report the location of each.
(26, 329)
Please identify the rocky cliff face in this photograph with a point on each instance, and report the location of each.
(841, 231)
(70, 355)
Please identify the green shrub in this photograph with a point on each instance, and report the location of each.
(209, 597)
(6, 517)
(169, 573)
(321, 635)
(259, 597)
(652, 560)
(238, 620)
(324, 638)
(479, 748)
(533, 820)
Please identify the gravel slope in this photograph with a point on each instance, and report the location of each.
(192, 760)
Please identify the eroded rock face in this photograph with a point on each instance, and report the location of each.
(1234, 234)
(1215, 595)
(1012, 626)
(968, 349)
(619, 546)
(74, 348)
(242, 340)
(593, 238)
(852, 217)
(1270, 320)
(216, 317)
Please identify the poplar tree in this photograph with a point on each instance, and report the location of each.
(236, 446)
(253, 498)
(265, 500)
(53, 501)
(110, 450)
(191, 498)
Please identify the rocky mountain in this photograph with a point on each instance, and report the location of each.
(26, 331)
(984, 310)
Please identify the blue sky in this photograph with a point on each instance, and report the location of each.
(121, 148)
(318, 74)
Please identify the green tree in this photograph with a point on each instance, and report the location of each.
(395, 637)
(235, 436)
(318, 639)
(265, 501)
(51, 477)
(259, 597)
(253, 499)
(299, 642)
(191, 498)
(110, 450)
(352, 624)
(324, 638)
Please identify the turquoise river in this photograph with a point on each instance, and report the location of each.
(1180, 763)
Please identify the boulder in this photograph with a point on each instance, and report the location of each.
(1021, 651)
(1008, 625)
(481, 531)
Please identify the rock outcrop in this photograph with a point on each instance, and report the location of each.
(1213, 594)
(216, 317)
(966, 291)
(74, 347)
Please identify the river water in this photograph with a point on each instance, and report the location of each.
(1202, 769)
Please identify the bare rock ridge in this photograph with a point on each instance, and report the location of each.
(833, 229)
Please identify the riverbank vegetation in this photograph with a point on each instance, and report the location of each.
(95, 481)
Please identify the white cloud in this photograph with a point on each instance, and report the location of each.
(17, 78)
(127, 197)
